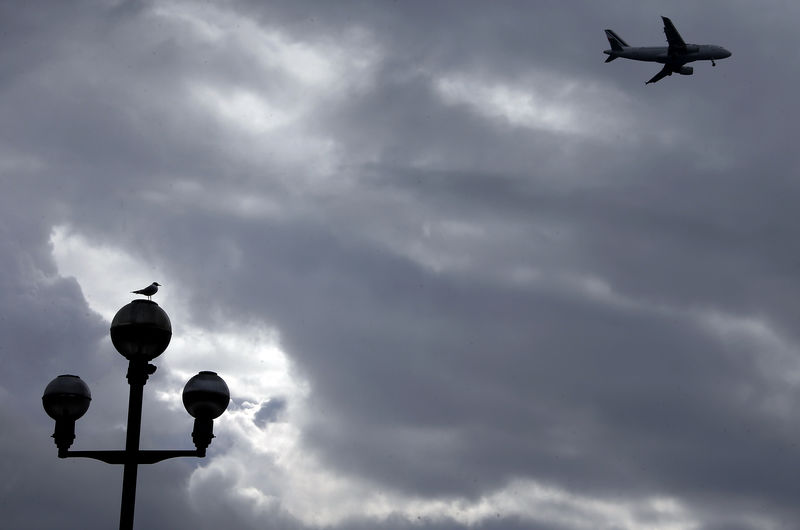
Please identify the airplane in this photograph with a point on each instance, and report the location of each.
(674, 57)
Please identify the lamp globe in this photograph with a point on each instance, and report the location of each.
(206, 396)
(141, 331)
(66, 397)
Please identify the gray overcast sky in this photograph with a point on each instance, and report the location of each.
(456, 270)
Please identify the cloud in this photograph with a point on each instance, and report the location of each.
(456, 270)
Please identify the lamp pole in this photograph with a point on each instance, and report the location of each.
(140, 331)
(136, 379)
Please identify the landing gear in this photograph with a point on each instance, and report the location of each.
(713, 63)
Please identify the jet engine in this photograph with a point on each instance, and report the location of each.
(685, 70)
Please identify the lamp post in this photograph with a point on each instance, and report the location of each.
(140, 331)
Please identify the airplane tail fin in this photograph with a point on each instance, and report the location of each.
(617, 44)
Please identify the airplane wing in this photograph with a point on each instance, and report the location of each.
(673, 37)
(660, 75)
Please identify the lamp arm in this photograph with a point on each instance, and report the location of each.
(140, 457)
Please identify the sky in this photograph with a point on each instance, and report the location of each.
(456, 271)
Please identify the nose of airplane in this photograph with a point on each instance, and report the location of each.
(725, 53)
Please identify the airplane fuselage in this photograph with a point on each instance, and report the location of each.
(661, 54)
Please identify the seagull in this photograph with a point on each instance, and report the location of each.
(148, 291)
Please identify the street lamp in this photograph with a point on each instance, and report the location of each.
(140, 331)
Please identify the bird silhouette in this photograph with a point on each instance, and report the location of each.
(148, 291)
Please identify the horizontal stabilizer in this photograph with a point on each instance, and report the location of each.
(611, 58)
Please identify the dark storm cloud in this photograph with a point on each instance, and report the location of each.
(513, 379)
(447, 382)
